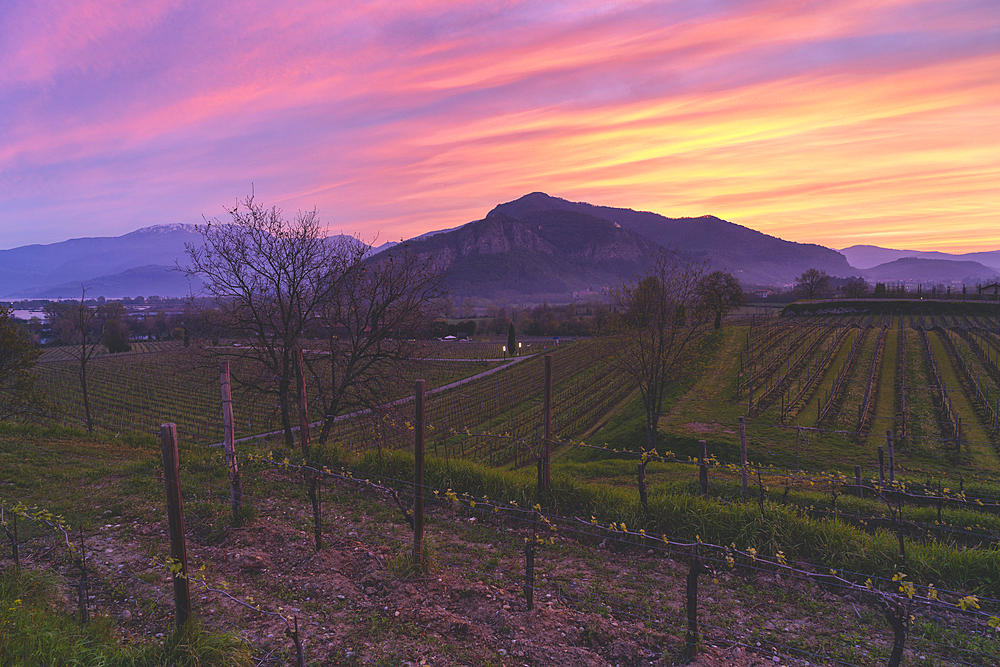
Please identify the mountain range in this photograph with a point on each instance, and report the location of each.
(537, 246)
(870, 256)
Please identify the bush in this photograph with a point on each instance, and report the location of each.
(116, 337)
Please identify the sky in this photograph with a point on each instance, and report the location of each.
(834, 122)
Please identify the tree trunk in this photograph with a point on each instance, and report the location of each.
(651, 428)
(300, 382)
(324, 432)
(643, 493)
(331, 408)
(654, 407)
(284, 385)
(86, 395)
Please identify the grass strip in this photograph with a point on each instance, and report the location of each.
(822, 542)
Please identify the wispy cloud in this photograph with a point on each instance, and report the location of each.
(829, 122)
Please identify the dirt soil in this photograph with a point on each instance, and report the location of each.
(356, 604)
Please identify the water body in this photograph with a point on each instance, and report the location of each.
(27, 314)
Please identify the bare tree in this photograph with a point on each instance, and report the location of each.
(77, 327)
(855, 288)
(812, 283)
(660, 313)
(721, 292)
(373, 321)
(18, 394)
(468, 308)
(269, 277)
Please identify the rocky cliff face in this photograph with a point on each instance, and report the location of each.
(561, 234)
(754, 257)
(555, 253)
(500, 233)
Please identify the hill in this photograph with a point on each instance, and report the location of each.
(754, 257)
(922, 270)
(139, 263)
(553, 255)
(153, 279)
(36, 269)
(870, 256)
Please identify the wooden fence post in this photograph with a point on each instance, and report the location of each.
(83, 591)
(229, 441)
(892, 457)
(881, 468)
(691, 638)
(547, 426)
(703, 468)
(175, 518)
(743, 455)
(418, 478)
(313, 489)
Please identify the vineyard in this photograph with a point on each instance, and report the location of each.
(817, 393)
(820, 393)
(872, 440)
(136, 392)
(931, 382)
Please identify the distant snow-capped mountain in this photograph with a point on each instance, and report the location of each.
(139, 263)
(165, 228)
(29, 269)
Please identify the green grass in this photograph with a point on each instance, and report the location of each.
(681, 515)
(35, 631)
(979, 451)
(884, 407)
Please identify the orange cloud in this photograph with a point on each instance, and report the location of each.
(833, 122)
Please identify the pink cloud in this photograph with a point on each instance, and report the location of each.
(811, 121)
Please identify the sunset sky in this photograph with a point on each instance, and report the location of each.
(832, 122)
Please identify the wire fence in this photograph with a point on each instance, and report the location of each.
(496, 418)
(598, 588)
